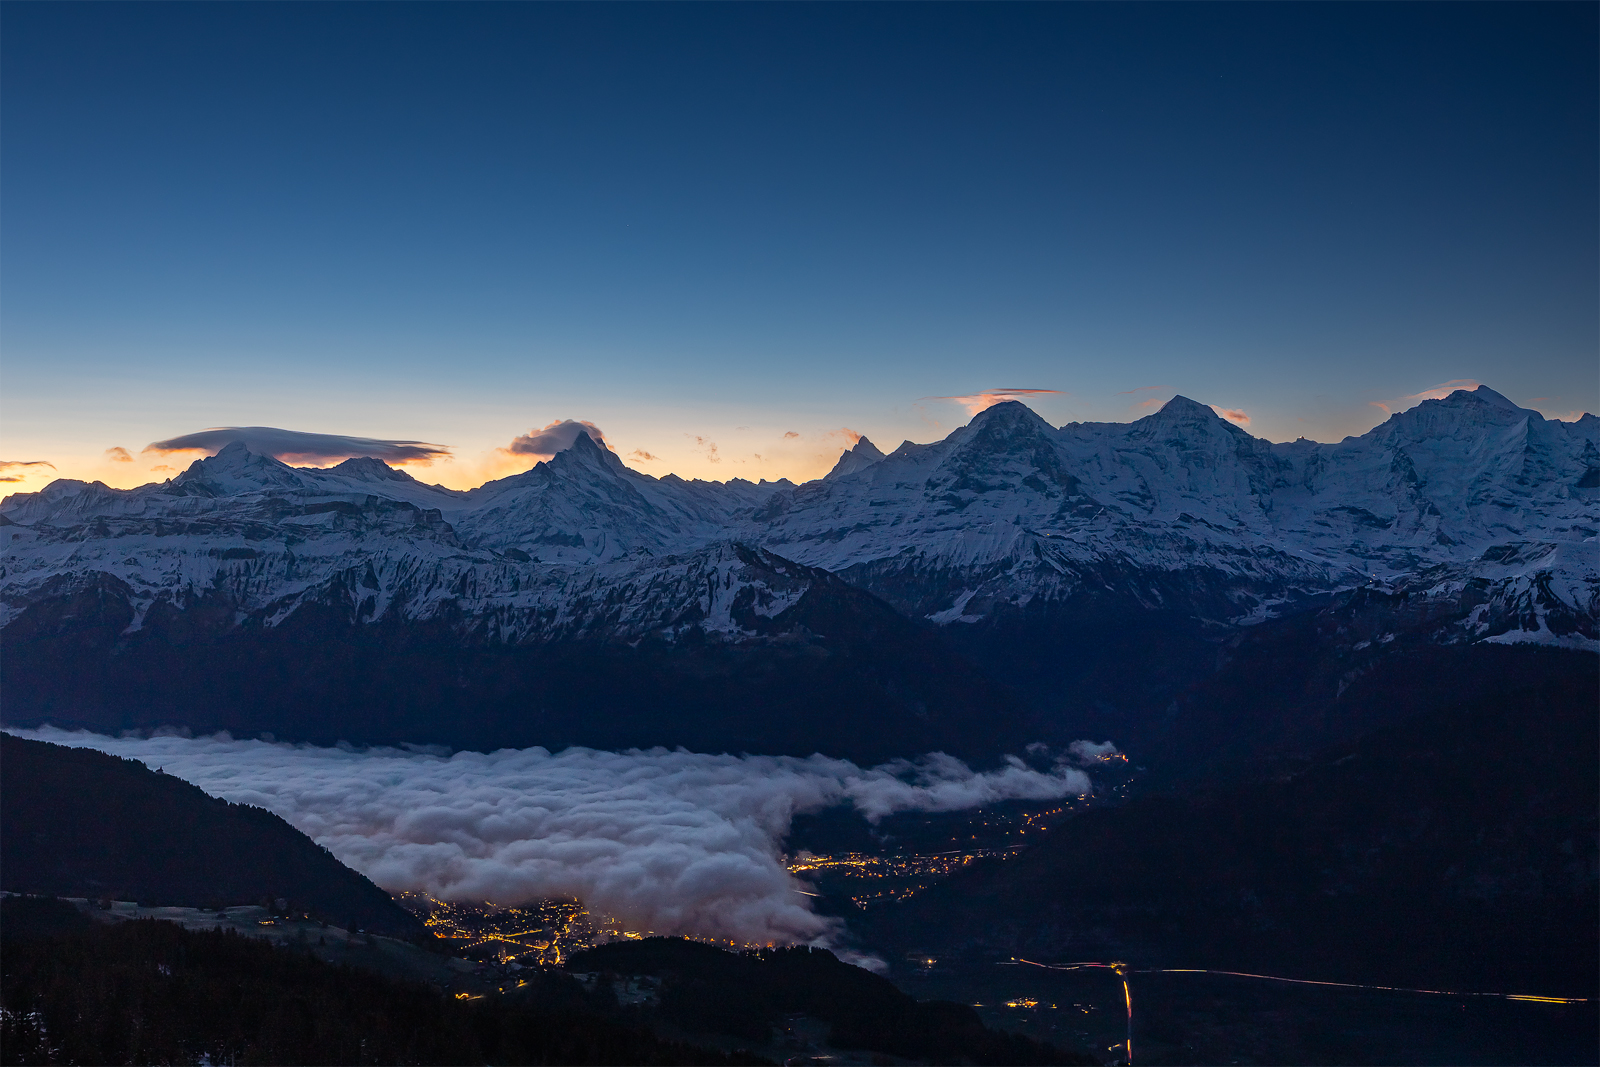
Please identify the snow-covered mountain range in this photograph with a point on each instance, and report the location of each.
(1484, 510)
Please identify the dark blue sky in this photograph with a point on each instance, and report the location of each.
(456, 222)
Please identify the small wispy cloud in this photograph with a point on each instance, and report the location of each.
(988, 398)
(1438, 392)
(1233, 415)
(706, 445)
(1148, 402)
(295, 446)
(118, 454)
(11, 470)
(640, 453)
(555, 437)
(791, 434)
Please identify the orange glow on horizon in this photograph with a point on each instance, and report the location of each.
(800, 458)
(716, 452)
(988, 398)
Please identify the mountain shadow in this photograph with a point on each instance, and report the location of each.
(838, 671)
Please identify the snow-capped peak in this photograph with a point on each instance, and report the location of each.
(587, 452)
(863, 455)
(1006, 510)
(1187, 418)
(368, 469)
(1180, 407)
(1008, 413)
(236, 469)
(1488, 396)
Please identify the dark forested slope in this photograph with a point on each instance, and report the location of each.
(81, 823)
(745, 995)
(151, 992)
(1452, 849)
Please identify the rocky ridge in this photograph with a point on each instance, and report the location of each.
(1487, 510)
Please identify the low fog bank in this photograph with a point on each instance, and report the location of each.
(674, 842)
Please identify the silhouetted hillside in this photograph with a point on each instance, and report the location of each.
(1453, 849)
(82, 823)
(151, 992)
(708, 990)
(1193, 705)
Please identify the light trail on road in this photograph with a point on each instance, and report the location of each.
(1127, 995)
(1122, 970)
(1360, 985)
(1529, 997)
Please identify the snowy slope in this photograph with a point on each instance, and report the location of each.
(1485, 508)
(1006, 509)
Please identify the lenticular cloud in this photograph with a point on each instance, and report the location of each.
(673, 842)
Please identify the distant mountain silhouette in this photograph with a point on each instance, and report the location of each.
(82, 823)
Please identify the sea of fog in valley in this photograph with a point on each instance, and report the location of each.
(673, 842)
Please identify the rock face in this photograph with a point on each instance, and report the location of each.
(1018, 543)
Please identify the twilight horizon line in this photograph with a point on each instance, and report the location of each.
(767, 228)
(322, 451)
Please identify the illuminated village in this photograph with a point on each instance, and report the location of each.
(547, 932)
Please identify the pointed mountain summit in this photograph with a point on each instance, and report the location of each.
(1003, 427)
(1469, 412)
(233, 456)
(1181, 406)
(585, 453)
(1009, 413)
(236, 469)
(583, 505)
(1004, 448)
(579, 461)
(1190, 426)
(1208, 464)
(1489, 396)
(1182, 414)
(862, 456)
